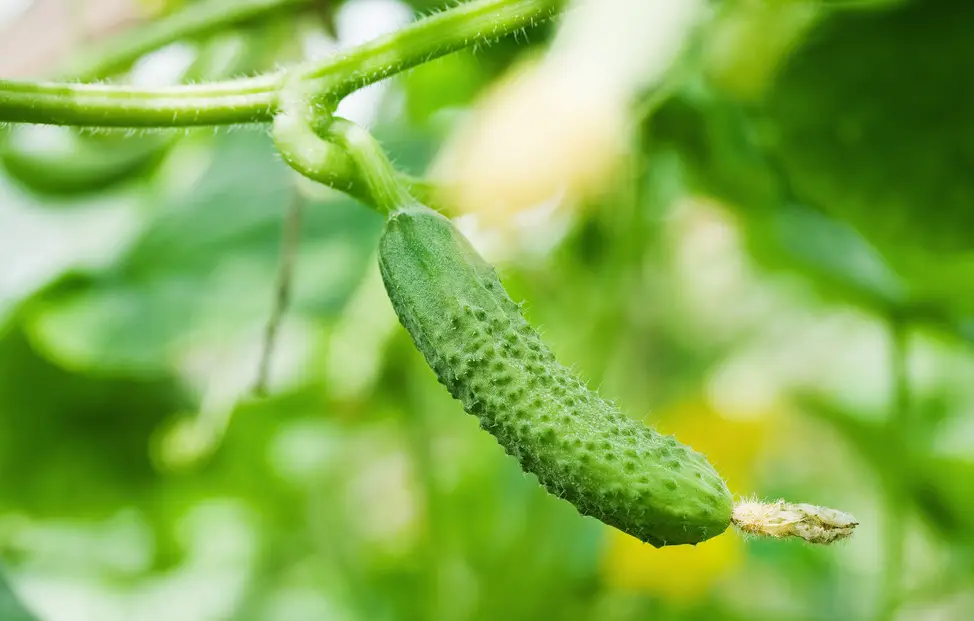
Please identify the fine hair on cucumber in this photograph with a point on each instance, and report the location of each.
(581, 447)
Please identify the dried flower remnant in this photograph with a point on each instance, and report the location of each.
(782, 519)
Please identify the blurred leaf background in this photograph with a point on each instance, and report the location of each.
(782, 276)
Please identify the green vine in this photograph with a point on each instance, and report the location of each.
(258, 99)
(299, 103)
(198, 19)
(376, 173)
(339, 154)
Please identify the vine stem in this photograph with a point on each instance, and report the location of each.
(895, 527)
(198, 19)
(290, 240)
(471, 23)
(372, 166)
(340, 154)
(256, 100)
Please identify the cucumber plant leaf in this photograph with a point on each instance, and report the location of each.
(869, 122)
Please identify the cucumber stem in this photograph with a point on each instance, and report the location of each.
(373, 168)
(302, 148)
(356, 165)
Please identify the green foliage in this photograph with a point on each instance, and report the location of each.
(137, 470)
(216, 235)
(80, 166)
(870, 124)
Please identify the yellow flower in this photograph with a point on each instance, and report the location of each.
(679, 573)
(539, 135)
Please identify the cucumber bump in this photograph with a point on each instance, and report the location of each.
(582, 448)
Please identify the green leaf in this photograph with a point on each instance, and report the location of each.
(717, 147)
(723, 156)
(870, 123)
(205, 268)
(451, 81)
(56, 162)
(64, 431)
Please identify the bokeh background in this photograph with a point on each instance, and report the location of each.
(778, 268)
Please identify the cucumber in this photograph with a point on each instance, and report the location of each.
(582, 448)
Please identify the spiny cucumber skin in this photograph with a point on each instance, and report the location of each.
(581, 448)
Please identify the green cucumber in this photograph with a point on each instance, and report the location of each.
(582, 448)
